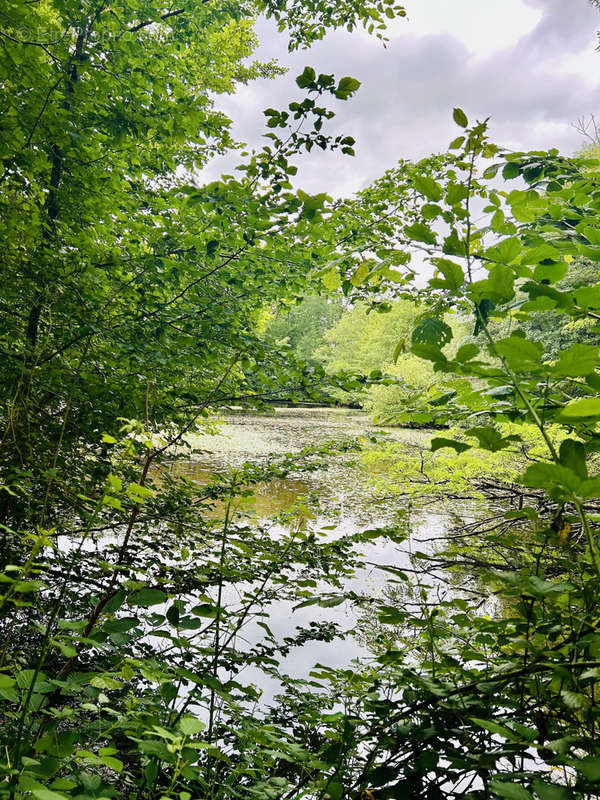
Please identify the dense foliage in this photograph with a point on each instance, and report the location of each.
(128, 290)
(134, 602)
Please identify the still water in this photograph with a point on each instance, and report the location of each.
(259, 437)
(341, 502)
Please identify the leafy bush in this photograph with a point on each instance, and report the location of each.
(130, 599)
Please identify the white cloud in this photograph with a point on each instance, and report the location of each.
(529, 64)
(483, 27)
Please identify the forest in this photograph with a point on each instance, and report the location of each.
(299, 493)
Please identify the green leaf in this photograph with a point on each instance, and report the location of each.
(212, 247)
(115, 603)
(312, 205)
(510, 171)
(497, 221)
(346, 87)
(456, 193)
(562, 745)
(111, 762)
(587, 408)
(427, 760)
(591, 234)
(154, 747)
(544, 476)
(490, 439)
(543, 252)
(59, 745)
(501, 283)
(112, 502)
(390, 615)
(335, 790)
(552, 272)
(431, 211)
(460, 117)
(432, 331)
(453, 246)
(511, 791)
(420, 233)
(491, 171)
(173, 615)
(47, 794)
(331, 602)
(360, 274)
(454, 276)
(550, 791)
(331, 279)
(104, 757)
(572, 455)
(589, 767)
(205, 610)
(105, 682)
(120, 625)
(430, 352)
(191, 726)
(520, 353)
(494, 727)
(574, 700)
(556, 299)
(466, 352)
(147, 597)
(508, 249)
(398, 350)
(593, 253)
(578, 360)
(138, 493)
(439, 442)
(543, 588)
(428, 187)
(588, 296)
(63, 784)
(307, 78)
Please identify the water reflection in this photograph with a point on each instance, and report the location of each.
(259, 437)
(334, 501)
(267, 501)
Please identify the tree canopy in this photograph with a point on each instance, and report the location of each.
(129, 289)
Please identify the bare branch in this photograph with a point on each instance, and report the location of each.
(589, 128)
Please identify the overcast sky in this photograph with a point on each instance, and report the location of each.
(530, 65)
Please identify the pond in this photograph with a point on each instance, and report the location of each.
(258, 437)
(341, 502)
